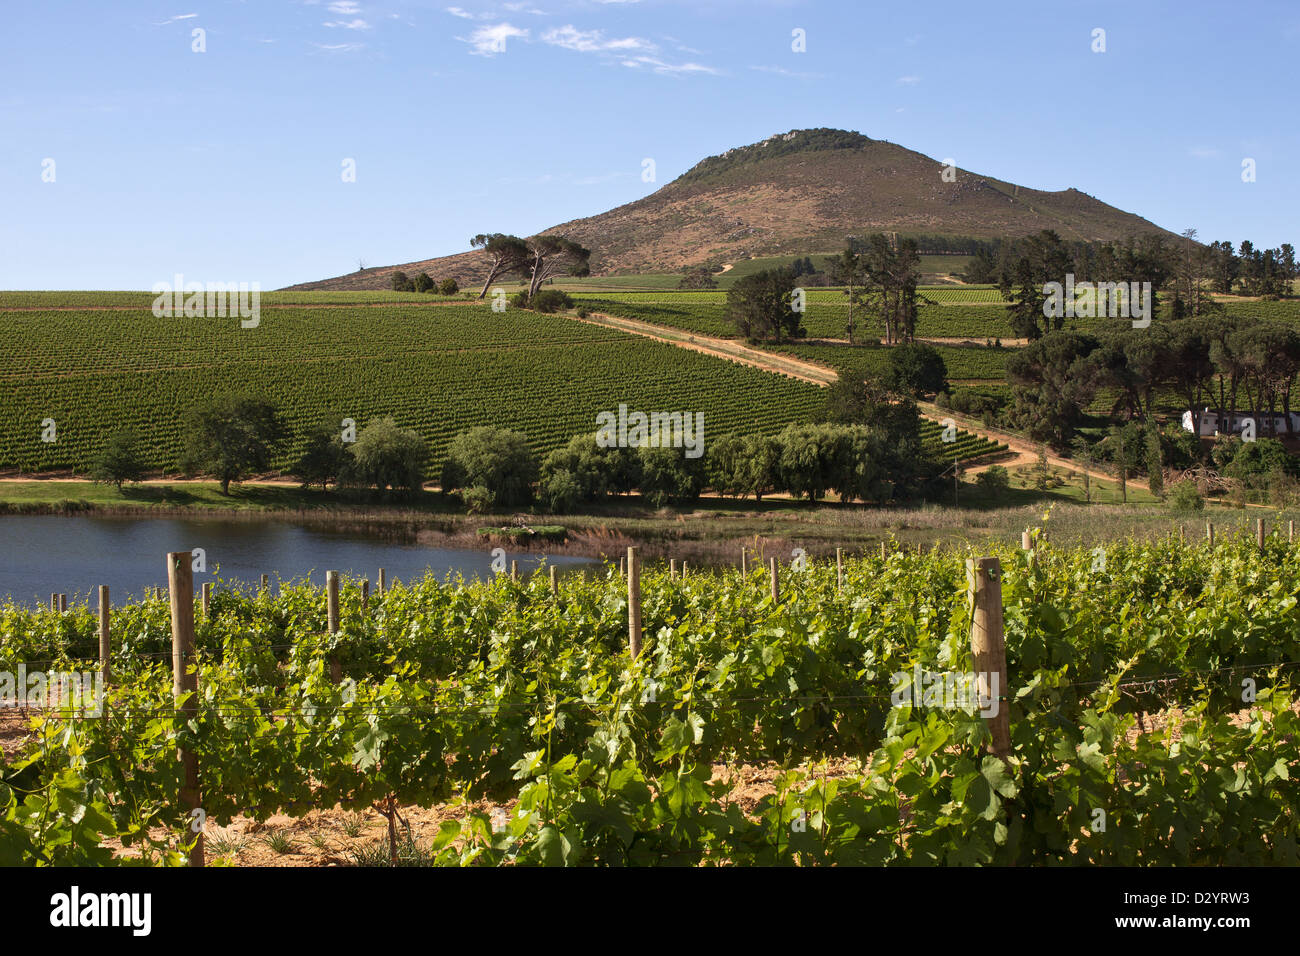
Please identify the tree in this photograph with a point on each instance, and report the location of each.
(505, 255)
(448, 287)
(669, 477)
(591, 472)
(496, 459)
(762, 466)
(1125, 448)
(551, 256)
(423, 283)
(697, 278)
(387, 456)
(849, 271)
(402, 282)
(231, 437)
(916, 369)
(1184, 347)
(760, 306)
(550, 300)
(1155, 462)
(325, 458)
(725, 465)
(1043, 258)
(1086, 452)
(1052, 380)
(892, 273)
(1224, 267)
(119, 461)
(811, 459)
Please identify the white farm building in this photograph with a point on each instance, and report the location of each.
(1234, 422)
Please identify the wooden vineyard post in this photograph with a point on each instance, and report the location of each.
(1209, 534)
(185, 684)
(1259, 533)
(1026, 540)
(884, 551)
(63, 603)
(104, 644)
(555, 580)
(514, 570)
(633, 603)
(984, 579)
(382, 584)
(54, 602)
(776, 581)
(839, 569)
(365, 595)
(672, 568)
(622, 567)
(683, 570)
(332, 617)
(207, 599)
(265, 582)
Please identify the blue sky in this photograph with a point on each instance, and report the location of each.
(226, 165)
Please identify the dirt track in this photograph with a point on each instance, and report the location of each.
(1026, 451)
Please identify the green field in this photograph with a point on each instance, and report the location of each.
(437, 370)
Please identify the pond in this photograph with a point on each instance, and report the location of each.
(43, 554)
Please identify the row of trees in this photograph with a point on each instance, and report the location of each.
(868, 448)
(1224, 268)
(1226, 363)
(233, 437)
(1185, 271)
(880, 275)
(423, 283)
(536, 260)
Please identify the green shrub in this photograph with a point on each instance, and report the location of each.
(477, 499)
(495, 459)
(1184, 498)
(550, 300)
(996, 478)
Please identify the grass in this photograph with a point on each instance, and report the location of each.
(226, 843)
(409, 853)
(280, 842)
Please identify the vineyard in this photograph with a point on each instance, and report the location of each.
(438, 370)
(1150, 715)
(963, 363)
(826, 316)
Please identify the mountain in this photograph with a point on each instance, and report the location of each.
(797, 193)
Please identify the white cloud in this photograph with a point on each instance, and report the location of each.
(782, 71)
(338, 47)
(592, 41)
(908, 80)
(357, 24)
(659, 66)
(489, 41)
(345, 8)
(183, 16)
(458, 12)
